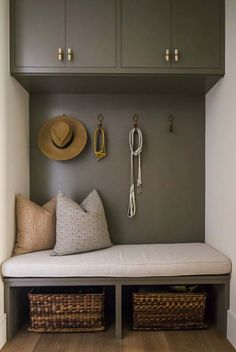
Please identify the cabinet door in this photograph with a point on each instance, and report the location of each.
(145, 33)
(196, 33)
(91, 33)
(39, 31)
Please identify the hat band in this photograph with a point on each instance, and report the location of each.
(66, 145)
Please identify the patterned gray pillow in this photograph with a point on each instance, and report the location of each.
(80, 228)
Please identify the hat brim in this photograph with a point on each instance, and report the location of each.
(48, 148)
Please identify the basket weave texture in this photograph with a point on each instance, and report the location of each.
(66, 312)
(168, 311)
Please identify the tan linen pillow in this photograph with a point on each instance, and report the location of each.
(36, 225)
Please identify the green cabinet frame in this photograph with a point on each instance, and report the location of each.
(117, 43)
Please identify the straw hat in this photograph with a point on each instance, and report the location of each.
(62, 138)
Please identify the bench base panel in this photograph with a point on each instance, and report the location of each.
(16, 289)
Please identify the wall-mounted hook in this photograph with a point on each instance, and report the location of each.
(135, 119)
(171, 122)
(100, 120)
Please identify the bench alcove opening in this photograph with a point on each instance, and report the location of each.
(194, 263)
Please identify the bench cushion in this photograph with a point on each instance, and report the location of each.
(139, 260)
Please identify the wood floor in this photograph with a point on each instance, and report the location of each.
(170, 341)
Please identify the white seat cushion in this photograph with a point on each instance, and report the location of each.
(145, 260)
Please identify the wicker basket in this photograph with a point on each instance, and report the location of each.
(66, 312)
(168, 311)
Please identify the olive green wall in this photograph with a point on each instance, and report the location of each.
(171, 207)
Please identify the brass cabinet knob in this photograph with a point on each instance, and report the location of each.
(176, 55)
(167, 55)
(60, 54)
(69, 54)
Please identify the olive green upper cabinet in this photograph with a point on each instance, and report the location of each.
(196, 33)
(120, 38)
(182, 35)
(146, 31)
(39, 33)
(90, 33)
(59, 35)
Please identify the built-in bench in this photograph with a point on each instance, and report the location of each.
(118, 266)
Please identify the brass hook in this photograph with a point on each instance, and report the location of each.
(100, 120)
(171, 121)
(135, 119)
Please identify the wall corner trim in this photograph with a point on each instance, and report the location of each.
(3, 338)
(231, 327)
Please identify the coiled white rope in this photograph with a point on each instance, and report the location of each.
(135, 153)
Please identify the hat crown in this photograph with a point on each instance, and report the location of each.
(61, 133)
